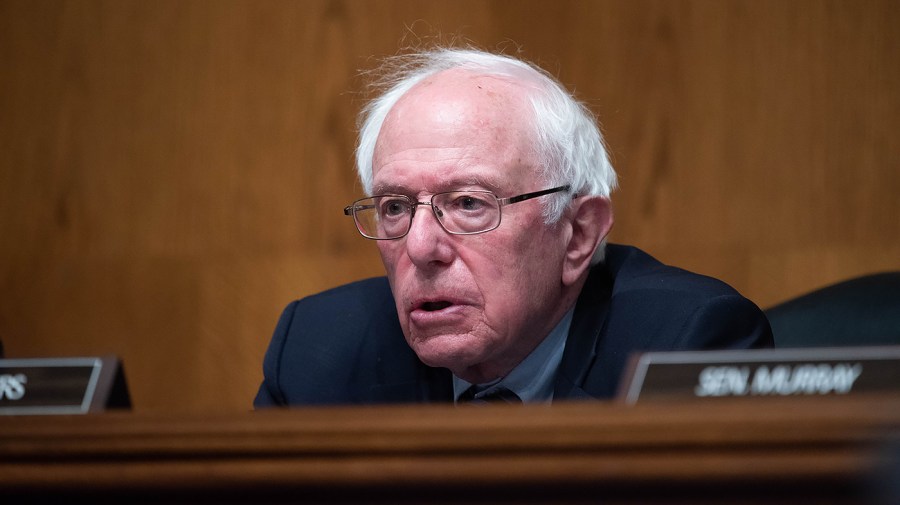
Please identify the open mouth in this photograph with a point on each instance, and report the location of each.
(433, 306)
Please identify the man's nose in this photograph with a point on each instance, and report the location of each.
(427, 243)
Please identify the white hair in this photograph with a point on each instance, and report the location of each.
(570, 146)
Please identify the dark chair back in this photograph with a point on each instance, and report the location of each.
(864, 311)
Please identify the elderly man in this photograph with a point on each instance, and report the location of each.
(490, 206)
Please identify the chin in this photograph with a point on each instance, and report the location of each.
(445, 351)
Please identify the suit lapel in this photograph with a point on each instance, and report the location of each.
(588, 323)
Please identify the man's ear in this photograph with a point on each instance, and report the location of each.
(592, 219)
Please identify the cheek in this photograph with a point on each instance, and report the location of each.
(533, 263)
(504, 270)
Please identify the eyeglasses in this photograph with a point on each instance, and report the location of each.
(388, 217)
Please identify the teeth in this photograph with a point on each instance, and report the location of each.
(431, 306)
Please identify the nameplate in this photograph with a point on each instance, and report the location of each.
(61, 386)
(761, 373)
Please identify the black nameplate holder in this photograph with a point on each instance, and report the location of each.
(61, 385)
(761, 373)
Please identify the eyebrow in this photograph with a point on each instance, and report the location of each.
(448, 185)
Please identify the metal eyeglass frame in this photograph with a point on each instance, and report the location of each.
(351, 209)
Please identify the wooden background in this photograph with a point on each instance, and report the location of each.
(172, 173)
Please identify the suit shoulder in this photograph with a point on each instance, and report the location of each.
(318, 353)
(634, 270)
(352, 292)
(370, 296)
(645, 305)
(661, 304)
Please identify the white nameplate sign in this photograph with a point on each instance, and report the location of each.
(762, 373)
(61, 386)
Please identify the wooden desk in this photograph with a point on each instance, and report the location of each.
(799, 450)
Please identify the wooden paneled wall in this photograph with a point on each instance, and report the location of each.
(172, 172)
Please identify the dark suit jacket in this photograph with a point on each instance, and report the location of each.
(345, 346)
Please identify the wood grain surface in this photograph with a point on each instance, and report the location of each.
(172, 173)
(826, 450)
